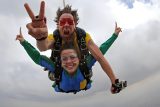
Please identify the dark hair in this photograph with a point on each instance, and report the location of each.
(69, 45)
(67, 9)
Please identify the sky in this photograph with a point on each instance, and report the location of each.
(134, 56)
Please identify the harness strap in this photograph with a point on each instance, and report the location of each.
(87, 73)
(56, 56)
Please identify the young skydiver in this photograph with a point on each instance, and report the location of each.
(66, 20)
(72, 79)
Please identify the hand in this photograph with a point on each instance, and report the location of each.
(118, 86)
(20, 36)
(117, 29)
(37, 28)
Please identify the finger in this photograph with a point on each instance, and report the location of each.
(29, 11)
(115, 25)
(121, 29)
(20, 32)
(42, 10)
(29, 26)
(17, 37)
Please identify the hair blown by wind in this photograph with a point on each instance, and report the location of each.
(67, 9)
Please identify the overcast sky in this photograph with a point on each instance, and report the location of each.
(134, 56)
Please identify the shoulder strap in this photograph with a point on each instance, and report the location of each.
(87, 73)
(55, 56)
(81, 34)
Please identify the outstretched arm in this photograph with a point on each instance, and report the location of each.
(34, 54)
(103, 48)
(107, 44)
(97, 54)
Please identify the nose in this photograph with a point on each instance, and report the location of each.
(69, 60)
(66, 24)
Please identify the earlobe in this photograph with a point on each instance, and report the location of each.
(62, 65)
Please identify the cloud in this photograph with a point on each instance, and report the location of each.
(140, 94)
(131, 18)
(130, 3)
(139, 57)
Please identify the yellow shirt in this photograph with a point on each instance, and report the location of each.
(87, 38)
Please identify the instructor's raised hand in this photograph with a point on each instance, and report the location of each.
(37, 28)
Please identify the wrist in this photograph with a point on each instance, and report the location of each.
(41, 39)
(22, 40)
(115, 34)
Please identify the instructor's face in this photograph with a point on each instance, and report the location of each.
(66, 25)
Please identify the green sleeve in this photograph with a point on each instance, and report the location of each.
(106, 45)
(37, 58)
(32, 52)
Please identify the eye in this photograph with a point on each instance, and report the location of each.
(73, 57)
(62, 22)
(64, 58)
(70, 22)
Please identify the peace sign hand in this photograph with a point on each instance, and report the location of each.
(37, 21)
(37, 28)
(117, 29)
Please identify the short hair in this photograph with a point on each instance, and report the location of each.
(67, 9)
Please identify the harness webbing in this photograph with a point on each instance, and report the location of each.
(55, 56)
(84, 52)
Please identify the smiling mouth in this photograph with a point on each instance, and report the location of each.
(69, 66)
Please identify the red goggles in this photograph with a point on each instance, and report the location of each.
(66, 20)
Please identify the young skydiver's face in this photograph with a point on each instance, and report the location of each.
(66, 25)
(69, 60)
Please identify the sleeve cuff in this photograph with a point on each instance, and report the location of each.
(23, 43)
